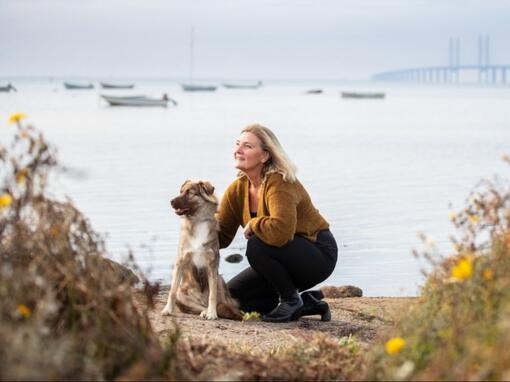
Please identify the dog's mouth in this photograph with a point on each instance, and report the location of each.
(181, 211)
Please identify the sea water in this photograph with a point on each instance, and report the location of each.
(380, 171)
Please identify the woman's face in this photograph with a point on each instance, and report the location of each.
(249, 156)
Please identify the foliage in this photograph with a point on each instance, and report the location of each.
(251, 316)
(315, 357)
(66, 312)
(320, 358)
(459, 329)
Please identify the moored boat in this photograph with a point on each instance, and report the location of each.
(198, 88)
(69, 85)
(314, 91)
(138, 100)
(8, 88)
(374, 95)
(240, 85)
(106, 85)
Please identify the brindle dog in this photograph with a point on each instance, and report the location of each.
(197, 287)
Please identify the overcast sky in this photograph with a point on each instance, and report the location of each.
(266, 39)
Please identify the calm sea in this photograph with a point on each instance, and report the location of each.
(380, 171)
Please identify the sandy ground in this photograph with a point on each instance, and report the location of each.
(360, 317)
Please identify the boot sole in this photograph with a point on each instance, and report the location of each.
(294, 317)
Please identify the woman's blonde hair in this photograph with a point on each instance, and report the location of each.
(278, 161)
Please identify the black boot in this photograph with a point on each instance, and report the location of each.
(288, 309)
(313, 306)
(315, 293)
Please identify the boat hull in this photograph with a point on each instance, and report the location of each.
(118, 86)
(198, 88)
(242, 86)
(358, 95)
(70, 86)
(8, 88)
(137, 101)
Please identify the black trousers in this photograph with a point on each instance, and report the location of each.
(279, 271)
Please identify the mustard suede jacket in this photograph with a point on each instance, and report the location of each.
(285, 209)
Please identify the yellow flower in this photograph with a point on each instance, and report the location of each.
(16, 117)
(463, 269)
(54, 230)
(24, 310)
(21, 175)
(488, 274)
(452, 215)
(5, 200)
(395, 345)
(473, 219)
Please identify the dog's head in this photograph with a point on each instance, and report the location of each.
(193, 196)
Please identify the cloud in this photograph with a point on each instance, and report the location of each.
(241, 38)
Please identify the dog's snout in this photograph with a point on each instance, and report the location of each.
(178, 203)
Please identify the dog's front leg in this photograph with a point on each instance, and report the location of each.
(176, 280)
(212, 278)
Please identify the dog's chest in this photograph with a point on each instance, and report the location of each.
(195, 243)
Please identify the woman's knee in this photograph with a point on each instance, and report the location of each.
(255, 249)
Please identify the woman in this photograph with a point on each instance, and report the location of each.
(290, 248)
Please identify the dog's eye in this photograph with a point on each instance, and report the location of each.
(190, 193)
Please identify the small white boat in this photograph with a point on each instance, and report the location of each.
(105, 85)
(138, 100)
(198, 88)
(69, 85)
(241, 85)
(362, 95)
(8, 88)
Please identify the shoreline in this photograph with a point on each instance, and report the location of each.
(360, 318)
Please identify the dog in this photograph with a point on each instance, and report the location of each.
(197, 287)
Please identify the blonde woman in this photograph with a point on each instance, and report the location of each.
(290, 248)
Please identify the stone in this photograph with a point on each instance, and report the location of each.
(341, 291)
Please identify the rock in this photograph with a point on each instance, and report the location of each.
(122, 272)
(234, 258)
(341, 291)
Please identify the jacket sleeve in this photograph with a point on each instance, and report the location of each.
(228, 219)
(279, 227)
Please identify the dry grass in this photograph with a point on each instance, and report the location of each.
(65, 312)
(459, 331)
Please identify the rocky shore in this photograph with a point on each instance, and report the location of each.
(359, 317)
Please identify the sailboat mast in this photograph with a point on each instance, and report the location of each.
(191, 49)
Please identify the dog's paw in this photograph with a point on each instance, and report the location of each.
(167, 310)
(209, 314)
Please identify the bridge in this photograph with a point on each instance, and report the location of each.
(489, 74)
(483, 72)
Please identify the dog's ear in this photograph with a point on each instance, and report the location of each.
(185, 182)
(207, 190)
(206, 187)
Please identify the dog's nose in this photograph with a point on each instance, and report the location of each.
(172, 203)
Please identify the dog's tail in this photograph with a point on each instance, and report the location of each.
(189, 301)
(228, 306)
(229, 311)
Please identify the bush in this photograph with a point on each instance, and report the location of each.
(65, 312)
(459, 328)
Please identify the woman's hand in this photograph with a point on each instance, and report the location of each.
(248, 231)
